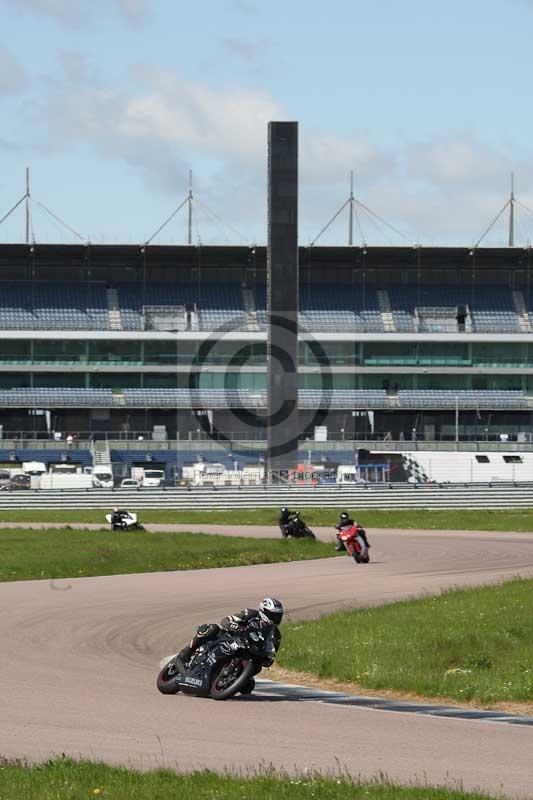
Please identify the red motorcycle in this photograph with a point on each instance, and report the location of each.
(354, 544)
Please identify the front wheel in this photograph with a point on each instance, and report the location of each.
(231, 677)
(309, 533)
(166, 680)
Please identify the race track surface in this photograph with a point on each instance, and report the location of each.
(79, 657)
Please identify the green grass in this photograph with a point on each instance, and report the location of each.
(63, 779)
(35, 554)
(453, 519)
(467, 645)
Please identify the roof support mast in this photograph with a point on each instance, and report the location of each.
(27, 197)
(189, 203)
(350, 226)
(511, 213)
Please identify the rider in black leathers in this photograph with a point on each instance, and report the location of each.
(284, 518)
(345, 521)
(268, 615)
(291, 523)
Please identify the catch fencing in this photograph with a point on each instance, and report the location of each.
(431, 496)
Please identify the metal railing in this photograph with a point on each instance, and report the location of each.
(495, 495)
(83, 441)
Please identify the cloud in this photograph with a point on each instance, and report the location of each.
(190, 118)
(134, 11)
(457, 161)
(73, 13)
(446, 190)
(75, 67)
(181, 116)
(330, 158)
(246, 49)
(13, 77)
(66, 12)
(243, 6)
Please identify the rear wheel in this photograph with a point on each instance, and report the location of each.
(231, 677)
(166, 682)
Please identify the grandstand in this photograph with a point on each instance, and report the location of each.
(425, 344)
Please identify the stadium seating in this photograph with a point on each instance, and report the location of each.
(447, 398)
(326, 307)
(331, 308)
(233, 398)
(20, 455)
(49, 398)
(491, 307)
(49, 306)
(219, 306)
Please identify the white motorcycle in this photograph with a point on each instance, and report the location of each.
(128, 521)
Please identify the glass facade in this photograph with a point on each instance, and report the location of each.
(241, 364)
(239, 353)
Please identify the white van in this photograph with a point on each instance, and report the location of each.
(153, 477)
(103, 476)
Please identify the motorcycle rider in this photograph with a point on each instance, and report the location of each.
(117, 519)
(298, 524)
(268, 614)
(284, 519)
(345, 522)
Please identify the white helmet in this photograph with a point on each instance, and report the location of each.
(272, 608)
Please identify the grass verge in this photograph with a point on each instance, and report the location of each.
(69, 553)
(453, 519)
(467, 645)
(69, 780)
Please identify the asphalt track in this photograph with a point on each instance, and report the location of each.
(78, 660)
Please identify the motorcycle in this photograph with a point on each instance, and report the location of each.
(221, 668)
(354, 544)
(128, 522)
(296, 528)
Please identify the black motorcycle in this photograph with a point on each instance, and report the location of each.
(221, 668)
(296, 528)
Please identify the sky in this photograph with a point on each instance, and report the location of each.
(111, 103)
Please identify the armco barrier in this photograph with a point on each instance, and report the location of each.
(519, 495)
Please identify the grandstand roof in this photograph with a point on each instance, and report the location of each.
(67, 256)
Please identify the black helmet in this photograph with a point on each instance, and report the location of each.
(283, 509)
(345, 515)
(272, 608)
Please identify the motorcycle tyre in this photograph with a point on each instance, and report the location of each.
(309, 533)
(238, 684)
(357, 558)
(167, 686)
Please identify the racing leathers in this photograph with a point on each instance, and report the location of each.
(117, 518)
(249, 619)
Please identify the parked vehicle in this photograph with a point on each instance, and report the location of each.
(153, 478)
(220, 668)
(20, 481)
(4, 479)
(130, 483)
(354, 544)
(103, 476)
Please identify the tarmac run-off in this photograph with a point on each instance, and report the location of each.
(79, 658)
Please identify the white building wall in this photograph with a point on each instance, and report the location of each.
(459, 467)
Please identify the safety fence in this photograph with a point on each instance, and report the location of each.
(431, 496)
